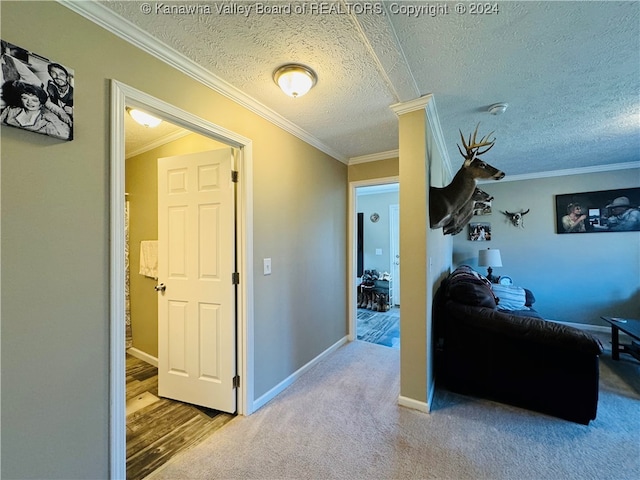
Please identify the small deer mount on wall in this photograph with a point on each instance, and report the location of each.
(449, 206)
(516, 218)
(459, 221)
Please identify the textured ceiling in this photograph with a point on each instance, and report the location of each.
(570, 72)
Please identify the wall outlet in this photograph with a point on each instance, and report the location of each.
(378, 251)
(266, 262)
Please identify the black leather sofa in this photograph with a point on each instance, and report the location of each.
(513, 357)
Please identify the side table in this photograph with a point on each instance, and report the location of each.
(631, 327)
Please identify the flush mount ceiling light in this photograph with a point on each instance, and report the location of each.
(295, 80)
(498, 108)
(144, 118)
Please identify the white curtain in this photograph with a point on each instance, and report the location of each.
(127, 301)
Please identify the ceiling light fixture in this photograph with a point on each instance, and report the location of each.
(295, 80)
(498, 108)
(144, 118)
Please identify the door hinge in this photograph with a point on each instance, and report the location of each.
(234, 176)
(235, 278)
(236, 382)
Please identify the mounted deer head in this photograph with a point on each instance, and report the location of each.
(446, 203)
(462, 217)
(516, 218)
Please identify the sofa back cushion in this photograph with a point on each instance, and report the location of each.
(470, 288)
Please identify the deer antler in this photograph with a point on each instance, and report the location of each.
(473, 147)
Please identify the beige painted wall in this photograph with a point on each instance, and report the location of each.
(55, 247)
(372, 170)
(413, 218)
(426, 253)
(141, 183)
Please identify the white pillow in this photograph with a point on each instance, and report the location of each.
(511, 297)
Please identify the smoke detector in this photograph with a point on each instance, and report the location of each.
(498, 108)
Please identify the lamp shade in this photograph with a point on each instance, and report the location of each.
(489, 258)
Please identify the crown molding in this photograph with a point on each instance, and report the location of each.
(122, 28)
(419, 103)
(428, 104)
(438, 136)
(571, 171)
(374, 157)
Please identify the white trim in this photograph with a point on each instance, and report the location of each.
(394, 248)
(414, 404)
(589, 327)
(428, 103)
(374, 157)
(122, 95)
(117, 378)
(583, 326)
(122, 28)
(570, 171)
(378, 189)
(275, 391)
(145, 357)
(419, 103)
(438, 136)
(352, 257)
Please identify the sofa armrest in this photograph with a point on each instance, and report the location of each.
(525, 329)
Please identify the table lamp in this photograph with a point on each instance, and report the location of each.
(489, 258)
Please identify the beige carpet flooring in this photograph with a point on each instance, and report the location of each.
(341, 420)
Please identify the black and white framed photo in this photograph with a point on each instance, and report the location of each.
(479, 231)
(36, 94)
(602, 211)
(482, 207)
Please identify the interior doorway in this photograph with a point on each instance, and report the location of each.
(124, 96)
(375, 266)
(181, 359)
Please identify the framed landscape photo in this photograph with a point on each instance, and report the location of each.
(600, 211)
(36, 94)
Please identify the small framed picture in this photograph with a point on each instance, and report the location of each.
(36, 94)
(479, 231)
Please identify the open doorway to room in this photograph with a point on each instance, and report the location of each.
(376, 265)
(224, 176)
(189, 412)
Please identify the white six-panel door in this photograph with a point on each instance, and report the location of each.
(196, 262)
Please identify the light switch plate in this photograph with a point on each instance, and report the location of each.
(266, 262)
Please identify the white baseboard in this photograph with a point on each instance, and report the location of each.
(271, 394)
(414, 404)
(593, 328)
(145, 357)
(586, 326)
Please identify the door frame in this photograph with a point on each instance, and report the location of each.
(353, 247)
(122, 96)
(394, 241)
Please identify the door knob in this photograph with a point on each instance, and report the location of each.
(160, 288)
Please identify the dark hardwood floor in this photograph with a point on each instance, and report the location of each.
(158, 428)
